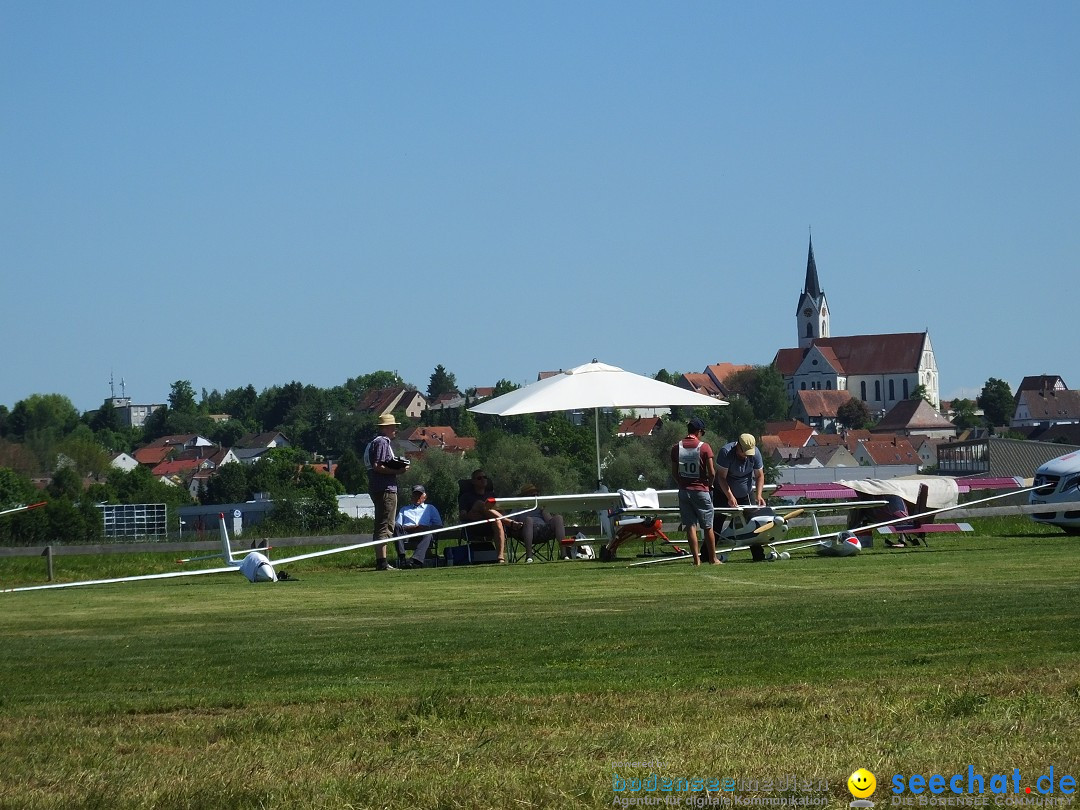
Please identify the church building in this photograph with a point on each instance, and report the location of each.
(881, 370)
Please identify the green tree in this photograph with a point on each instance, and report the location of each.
(43, 414)
(729, 421)
(15, 489)
(920, 392)
(240, 404)
(854, 414)
(228, 485)
(996, 401)
(964, 415)
(516, 460)
(137, 486)
(440, 473)
(182, 398)
(466, 424)
(105, 418)
(66, 483)
(86, 452)
(441, 382)
(634, 463)
(351, 473)
(764, 388)
(504, 387)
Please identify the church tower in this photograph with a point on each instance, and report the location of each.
(813, 312)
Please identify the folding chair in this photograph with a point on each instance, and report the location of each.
(478, 539)
(545, 540)
(409, 542)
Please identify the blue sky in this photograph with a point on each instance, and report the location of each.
(234, 193)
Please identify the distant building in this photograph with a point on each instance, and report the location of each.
(122, 461)
(387, 400)
(818, 408)
(994, 456)
(915, 416)
(881, 370)
(712, 382)
(132, 416)
(262, 441)
(1046, 407)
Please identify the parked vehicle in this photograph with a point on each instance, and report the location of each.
(1064, 473)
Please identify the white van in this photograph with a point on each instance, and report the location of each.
(1064, 473)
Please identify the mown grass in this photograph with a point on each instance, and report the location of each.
(523, 686)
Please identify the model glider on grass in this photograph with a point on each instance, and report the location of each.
(255, 565)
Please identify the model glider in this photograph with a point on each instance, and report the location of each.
(255, 565)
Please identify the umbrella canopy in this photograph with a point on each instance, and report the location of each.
(593, 385)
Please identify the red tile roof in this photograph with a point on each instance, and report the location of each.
(152, 456)
(861, 354)
(641, 426)
(822, 403)
(171, 468)
(433, 434)
(896, 451)
(701, 383)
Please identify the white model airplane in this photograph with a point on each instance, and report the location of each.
(255, 565)
(846, 543)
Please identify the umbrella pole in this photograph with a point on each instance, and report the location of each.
(596, 428)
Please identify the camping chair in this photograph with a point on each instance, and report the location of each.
(478, 540)
(627, 522)
(410, 541)
(543, 548)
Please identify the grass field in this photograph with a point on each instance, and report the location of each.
(534, 686)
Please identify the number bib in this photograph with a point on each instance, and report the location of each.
(690, 462)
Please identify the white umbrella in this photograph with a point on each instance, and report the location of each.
(593, 385)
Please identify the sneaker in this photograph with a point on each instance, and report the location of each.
(384, 565)
(528, 559)
(415, 563)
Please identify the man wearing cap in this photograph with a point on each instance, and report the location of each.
(693, 467)
(413, 519)
(383, 468)
(740, 477)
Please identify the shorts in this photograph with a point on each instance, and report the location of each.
(696, 508)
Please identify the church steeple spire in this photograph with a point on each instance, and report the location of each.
(811, 286)
(812, 314)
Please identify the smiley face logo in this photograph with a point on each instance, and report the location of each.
(861, 783)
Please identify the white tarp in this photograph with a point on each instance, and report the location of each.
(942, 492)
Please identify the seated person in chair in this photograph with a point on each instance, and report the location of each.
(538, 524)
(413, 519)
(477, 502)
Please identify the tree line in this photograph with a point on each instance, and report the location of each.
(45, 437)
